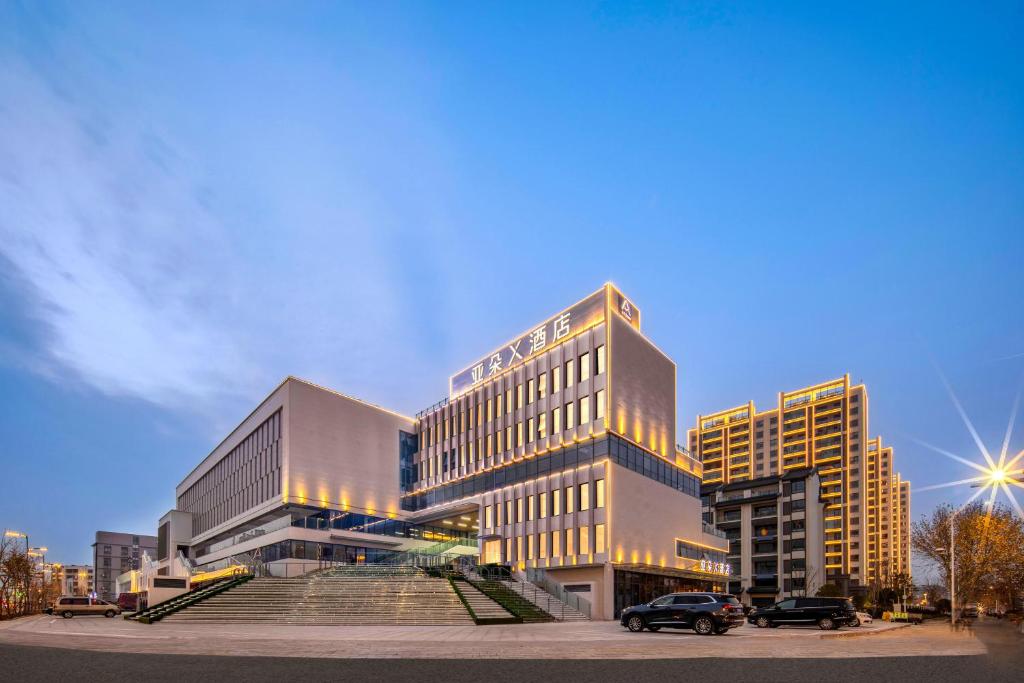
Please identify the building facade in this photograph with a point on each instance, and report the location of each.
(774, 525)
(76, 579)
(114, 553)
(554, 455)
(825, 428)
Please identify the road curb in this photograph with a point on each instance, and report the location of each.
(864, 634)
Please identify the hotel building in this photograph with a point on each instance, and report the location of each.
(554, 455)
(821, 429)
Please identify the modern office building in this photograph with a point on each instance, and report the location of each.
(774, 525)
(825, 428)
(554, 455)
(113, 553)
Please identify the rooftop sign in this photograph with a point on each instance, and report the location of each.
(570, 322)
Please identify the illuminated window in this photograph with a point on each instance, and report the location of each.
(599, 491)
(508, 512)
(531, 387)
(529, 508)
(490, 408)
(490, 445)
(519, 510)
(556, 378)
(508, 550)
(569, 415)
(570, 537)
(542, 425)
(542, 385)
(584, 540)
(599, 403)
(529, 547)
(519, 396)
(584, 410)
(519, 548)
(569, 372)
(508, 401)
(584, 366)
(584, 497)
(530, 433)
(556, 421)
(498, 399)
(599, 537)
(556, 502)
(519, 434)
(508, 438)
(600, 360)
(542, 545)
(568, 500)
(488, 516)
(543, 504)
(556, 542)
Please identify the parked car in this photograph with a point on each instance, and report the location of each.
(827, 613)
(68, 607)
(705, 613)
(970, 610)
(862, 618)
(128, 602)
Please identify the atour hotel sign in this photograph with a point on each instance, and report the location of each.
(570, 322)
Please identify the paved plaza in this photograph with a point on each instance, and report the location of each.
(579, 640)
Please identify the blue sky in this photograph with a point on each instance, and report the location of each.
(196, 201)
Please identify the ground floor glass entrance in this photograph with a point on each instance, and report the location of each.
(635, 588)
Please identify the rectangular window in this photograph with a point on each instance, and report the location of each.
(519, 396)
(531, 387)
(556, 378)
(584, 496)
(570, 410)
(529, 547)
(570, 372)
(530, 433)
(556, 543)
(519, 434)
(556, 421)
(599, 404)
(599, 491)
(570, 537)
(599, 535)
(568, 500)
(543, 504)
(556, 502)
(519, 510)
(529, 508)
(508, 512)
(542, 545)
(490, 445)
(508, 401)
(499, 399)
(488, 516)
(584, 366)
(585, 410)
(542, 425)
(508, 438)
(600, 360)
(542, 385)
(584, 540)
(490, 411)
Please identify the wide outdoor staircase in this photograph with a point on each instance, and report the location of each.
(484, 609)
(344, 594)
(165, 609)
(529, 600)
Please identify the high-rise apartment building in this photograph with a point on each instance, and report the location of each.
(115, 553)
(825, 428)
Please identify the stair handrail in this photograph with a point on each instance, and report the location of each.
(540, 578)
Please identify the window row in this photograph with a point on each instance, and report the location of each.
(572, 371)
(584, 540)
(535, 506)
(575, 413)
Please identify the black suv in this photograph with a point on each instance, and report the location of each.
(827, 613)
(705, 613)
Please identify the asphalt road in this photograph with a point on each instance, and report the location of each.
(1005, 662)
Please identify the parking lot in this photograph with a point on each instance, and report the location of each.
(580, 640)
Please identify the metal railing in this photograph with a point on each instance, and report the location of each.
(539, 589)
(539, 578)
